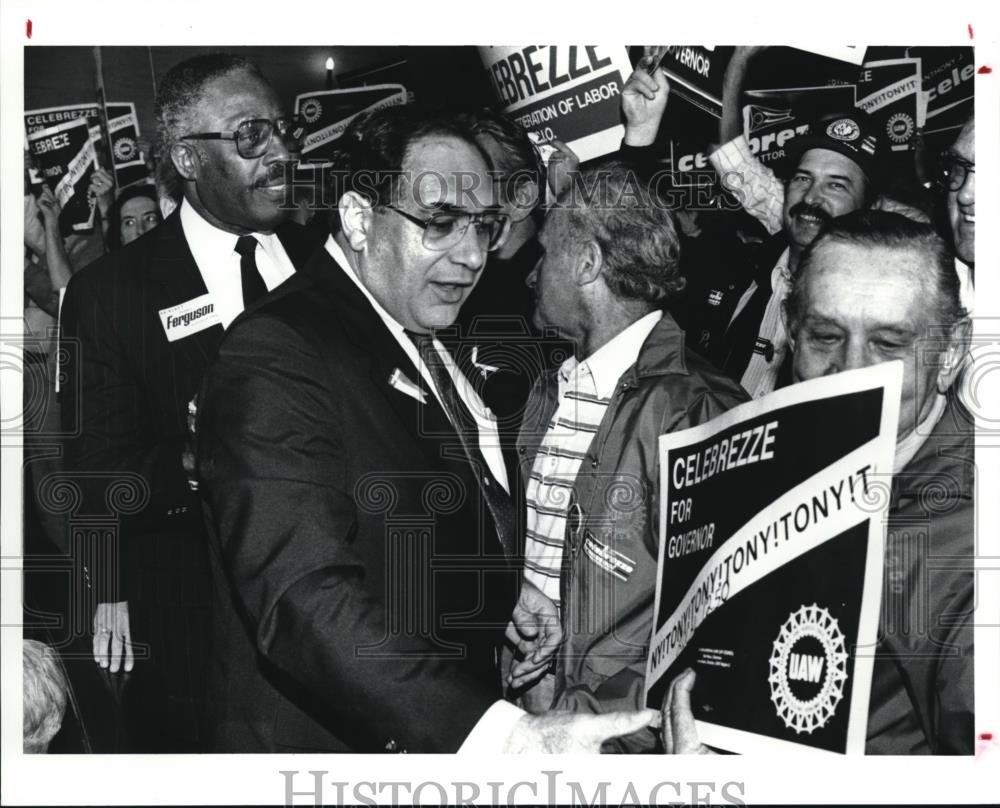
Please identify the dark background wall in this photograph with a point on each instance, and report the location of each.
(442, 77)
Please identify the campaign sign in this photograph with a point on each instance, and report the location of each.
(570, 93)
(773, 118)
(325, 114)
(889, 91)
(948, 81)
(696, 73)
(770, 567)
(123, 130)
(64, 157)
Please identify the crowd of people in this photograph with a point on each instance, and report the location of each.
(359, 468)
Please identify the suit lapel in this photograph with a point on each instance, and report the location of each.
(425, 421)
(174, 278)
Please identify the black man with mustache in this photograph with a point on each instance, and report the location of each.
(142, 325)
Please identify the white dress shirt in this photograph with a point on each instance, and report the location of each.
(214, 252)
(496, 724)
(489, 439)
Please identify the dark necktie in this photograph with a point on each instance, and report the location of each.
(253, 284)
(497, 500)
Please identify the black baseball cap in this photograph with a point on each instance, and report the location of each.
(848, 133)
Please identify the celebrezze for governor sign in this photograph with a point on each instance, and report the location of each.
(770, 569)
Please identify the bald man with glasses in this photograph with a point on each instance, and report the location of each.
(141, 326)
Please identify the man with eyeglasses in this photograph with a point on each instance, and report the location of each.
(363, 541)
(958, 180)
(141, 325)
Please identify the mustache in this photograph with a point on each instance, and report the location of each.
(275, 173)
(801, 207)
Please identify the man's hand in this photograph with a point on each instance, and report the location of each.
(644, 98)
(563, 163)
(190, 451)
(561, 733)
(112, 636)
(101, 186)
(680, 737)
(535, 633)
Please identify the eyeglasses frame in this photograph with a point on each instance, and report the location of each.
(291, 123)
(473, 217)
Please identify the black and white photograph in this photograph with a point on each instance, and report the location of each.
(418, 418)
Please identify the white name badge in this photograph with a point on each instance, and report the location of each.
(189, 318)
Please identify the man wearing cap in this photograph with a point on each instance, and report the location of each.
(833, 175)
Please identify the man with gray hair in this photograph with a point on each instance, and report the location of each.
(45, 690)
(840, 316)
(146, 320)
(588, 445)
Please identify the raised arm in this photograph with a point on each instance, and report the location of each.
(759, 191)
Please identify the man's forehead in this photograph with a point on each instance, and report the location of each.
(829, 161)
(899, 279)
(446, 170)
(965, 145)
(239, 94)
(554, 224)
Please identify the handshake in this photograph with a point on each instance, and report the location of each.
(535, 633)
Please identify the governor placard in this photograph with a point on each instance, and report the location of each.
(770, 567)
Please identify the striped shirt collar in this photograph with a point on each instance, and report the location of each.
(607, 364)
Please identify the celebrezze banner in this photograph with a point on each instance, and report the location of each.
(770, 567)
(570, 93)
(64, 157)
(123, 132)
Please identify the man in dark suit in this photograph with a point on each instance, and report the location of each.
(363, 544)
(142, 324)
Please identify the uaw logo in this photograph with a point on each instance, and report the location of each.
(125, 149)
(899, 127)
(761, 117)
(311, 110)
(844, 129)
(808, 669)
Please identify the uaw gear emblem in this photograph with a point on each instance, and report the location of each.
(844, 129)
(760, 117)
(808, 669)
(311, 110)
(125, 149)
(899, 127)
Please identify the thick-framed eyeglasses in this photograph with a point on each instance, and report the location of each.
(954, 171)
(253, 136)
(443, 230)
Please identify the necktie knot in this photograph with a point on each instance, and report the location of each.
(245, 246)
